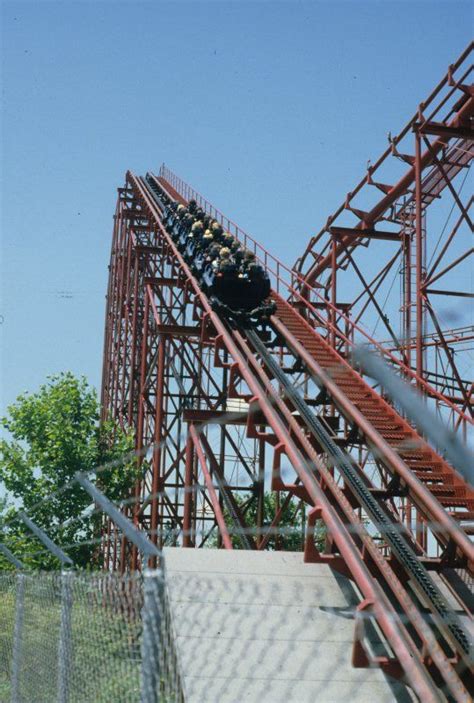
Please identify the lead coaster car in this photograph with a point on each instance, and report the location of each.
(241, 296)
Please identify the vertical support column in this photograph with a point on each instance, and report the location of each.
(260, 489)
(126, 350)
(333, 315)
(407, 301)
(222, 430)
(157, 441)
(140, 422)
(108, 332)
(124, 225)
(420, 531)
(419, 256)
(65, 653)
(188, 495)
(136, 304)
(18, 637)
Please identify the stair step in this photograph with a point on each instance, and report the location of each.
(415, 458)
(446, 491)
(434, 476)
(435, 473)
(454, 502)
(423, 465)
(457, 515)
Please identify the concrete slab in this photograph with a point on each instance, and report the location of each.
(260, 627)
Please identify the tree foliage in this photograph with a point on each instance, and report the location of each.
(55, 433)
(288, 535)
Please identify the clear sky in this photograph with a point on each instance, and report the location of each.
(270, 109)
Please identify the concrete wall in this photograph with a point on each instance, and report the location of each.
(265, 626)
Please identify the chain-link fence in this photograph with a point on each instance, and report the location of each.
(213, 626)
(81, 637)
(256, 627)
(8, 584)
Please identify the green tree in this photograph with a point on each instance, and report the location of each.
(55, 433)
(288, 535)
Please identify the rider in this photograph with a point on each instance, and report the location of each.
(197, 230)
(207, 238)
(226, 264)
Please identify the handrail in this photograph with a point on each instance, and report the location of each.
(269, 260)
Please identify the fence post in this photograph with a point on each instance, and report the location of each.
(65, 641)
(64, 646)
(139, 539)
(48, 543)
(153, 594)
(18, 637)
(151, 644)
(11, 557)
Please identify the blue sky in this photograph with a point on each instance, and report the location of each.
(270, 109)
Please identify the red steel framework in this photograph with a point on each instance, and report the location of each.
(215, 430)
(409, 218)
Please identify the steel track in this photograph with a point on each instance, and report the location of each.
(448, 621)
(389, 530)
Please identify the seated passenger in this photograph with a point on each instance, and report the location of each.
(214, 250)
(216, 229)
(188, 220)
(249, 258)
(226, 264)
(219, 255)
(255, 272)
(197, 229)
(227, 239)
(167, 216)
(212, 256)
(207, 238)
(239, 257)
(183, 224)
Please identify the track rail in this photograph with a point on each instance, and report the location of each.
(311, 303)
(440, 493)
(385, 523)
(433, 484)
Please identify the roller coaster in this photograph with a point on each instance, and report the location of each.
(237, 374)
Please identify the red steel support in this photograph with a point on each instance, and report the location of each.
(419, 257)
(211, 490)
(205, 408)
(188, 540)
